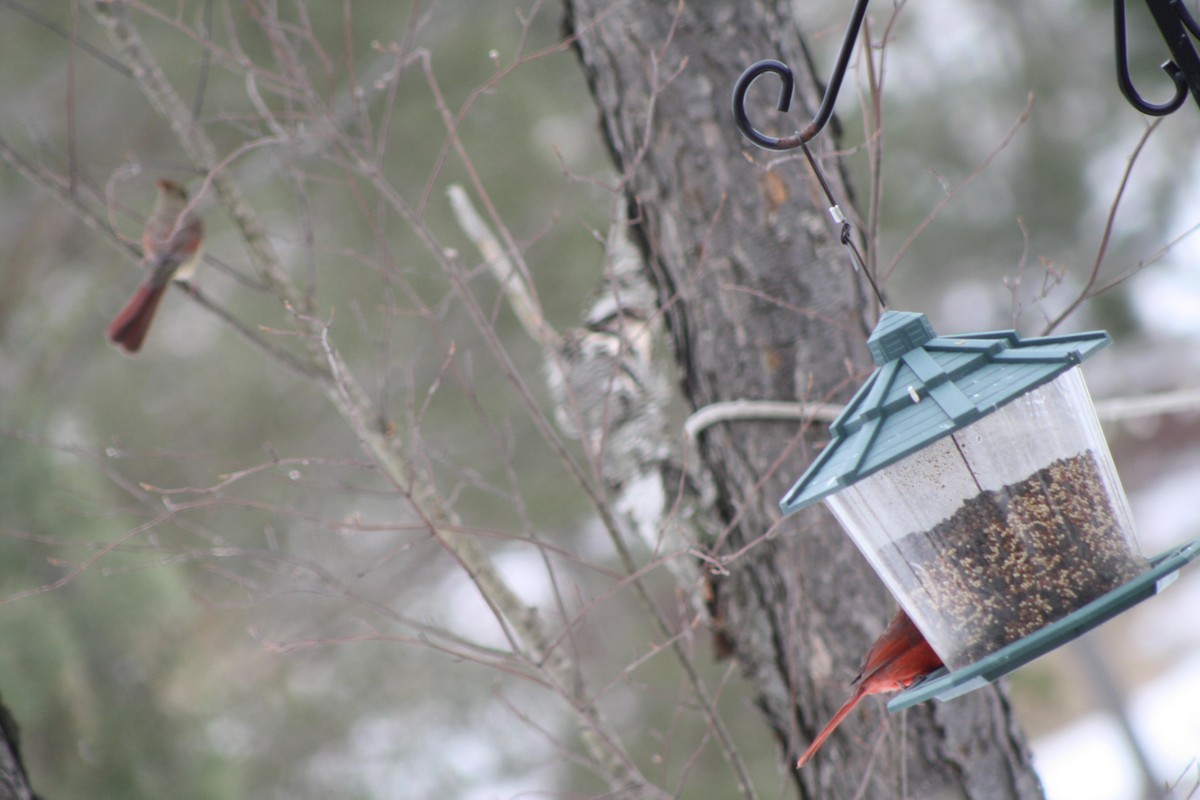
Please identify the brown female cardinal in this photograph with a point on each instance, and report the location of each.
(171, 248)
(897, 660)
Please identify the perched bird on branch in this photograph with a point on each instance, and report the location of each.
(897, 660)
(171, 247)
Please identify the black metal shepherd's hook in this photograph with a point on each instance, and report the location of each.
(789, 85)
(1175, 22)
(801, 138)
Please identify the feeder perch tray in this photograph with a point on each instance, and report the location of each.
(944, 685)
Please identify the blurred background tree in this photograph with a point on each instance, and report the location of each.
(223, 580)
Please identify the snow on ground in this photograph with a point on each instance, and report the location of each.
(1089, 759)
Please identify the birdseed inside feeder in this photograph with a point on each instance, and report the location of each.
(972, 473)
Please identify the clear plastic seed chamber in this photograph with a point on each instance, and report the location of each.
(999, 528)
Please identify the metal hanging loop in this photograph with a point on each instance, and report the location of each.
(824, 113)
(1125, 82)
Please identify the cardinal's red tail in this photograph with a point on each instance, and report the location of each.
(842, 713)
(128, 329)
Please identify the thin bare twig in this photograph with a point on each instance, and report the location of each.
(524, 307)
(1022, 118)
(84, 45)
(1088, 290)
(520, 298)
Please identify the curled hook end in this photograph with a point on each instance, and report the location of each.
(1174, 72)
(785, 97)
(788, 81)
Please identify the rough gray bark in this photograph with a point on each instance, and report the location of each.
(761, 304)
(14, 783)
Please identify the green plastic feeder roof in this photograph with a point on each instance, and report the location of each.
(927, 386)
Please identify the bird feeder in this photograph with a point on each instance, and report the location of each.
(972, 473)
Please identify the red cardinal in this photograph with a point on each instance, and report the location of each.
(171, 247)
(899, 658)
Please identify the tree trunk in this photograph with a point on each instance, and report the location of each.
(14, 783)
(761, 304)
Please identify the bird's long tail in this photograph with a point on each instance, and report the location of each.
(859, 693)
(128, 328)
